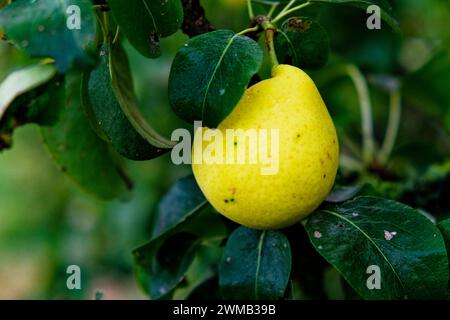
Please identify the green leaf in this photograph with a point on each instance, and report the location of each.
(255, 265)
(444, 227)
(184, 200)
(387, 13)
(79, 152)
(145, 21)
(122, 85)
(22, 81)
(343, 193)
(302, 41)
(171, 262)
(107, 115)
(168, 255)
(40, 29)
(368, 231)
(26, 96)
(42, 109)
(210, 73)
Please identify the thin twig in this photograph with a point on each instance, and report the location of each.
(116, 36)
(362, 89)
(288, 6)
(395, 110)
(249, 30)
(250, 9)
(288, 12)
(272, 10)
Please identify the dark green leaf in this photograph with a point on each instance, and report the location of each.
(107, 115)
(367, 231)
(444, 226)
(210, 73)
(79, 152)
(171, 262)
(343, 193)
(43, 110)
(40, 28)
(122, 85)
(304, 42)
(182, 201)
(255, 265)
(174, 231)
(144, 21)
(387, 13)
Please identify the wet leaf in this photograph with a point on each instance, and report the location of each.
(145, 21)
(361, 235)
(40, 28)
(79, 152)
(255, 265)
(106, 111)
(210, 73)
(304, 42)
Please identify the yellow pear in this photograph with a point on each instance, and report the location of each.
(295, 169)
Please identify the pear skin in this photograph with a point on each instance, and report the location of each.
(299, 166)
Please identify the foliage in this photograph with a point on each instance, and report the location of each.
(85, 88)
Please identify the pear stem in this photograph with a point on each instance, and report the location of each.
(269, 30)
(105, 27)
(271, 48)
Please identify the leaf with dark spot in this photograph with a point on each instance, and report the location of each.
(302, 42)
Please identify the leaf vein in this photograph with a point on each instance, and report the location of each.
(371, 241)
(258, 262)
(215, 72)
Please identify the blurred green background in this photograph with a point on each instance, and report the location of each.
(47, 223)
